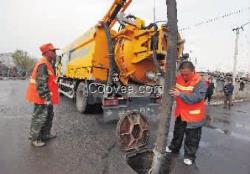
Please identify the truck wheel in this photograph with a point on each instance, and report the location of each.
(81, 97)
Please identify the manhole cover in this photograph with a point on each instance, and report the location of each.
(132, 131)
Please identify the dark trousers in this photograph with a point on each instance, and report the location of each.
(227, 101)
(191, 142)
(208, 97)
(41, 122)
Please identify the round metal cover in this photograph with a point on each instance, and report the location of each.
(132, 131)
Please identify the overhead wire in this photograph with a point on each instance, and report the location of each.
(214, 19)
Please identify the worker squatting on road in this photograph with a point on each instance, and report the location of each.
(189, 93)
(43, 93)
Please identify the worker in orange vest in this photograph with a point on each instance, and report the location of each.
(189, 94)
(43, 93)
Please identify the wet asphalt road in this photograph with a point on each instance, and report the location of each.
(85, 145)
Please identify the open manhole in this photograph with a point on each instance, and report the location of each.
(141, 161)
(133, 135)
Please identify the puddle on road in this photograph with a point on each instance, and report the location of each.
(240, 136)
(211, 122)
(241, 111)
(230, 133)
(242, 126)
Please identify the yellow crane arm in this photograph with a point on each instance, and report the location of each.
(117, 7)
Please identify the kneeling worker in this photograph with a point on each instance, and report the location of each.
(189, 93)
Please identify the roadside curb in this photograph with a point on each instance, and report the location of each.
(13, 78)
(216, 103)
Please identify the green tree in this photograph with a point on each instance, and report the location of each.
(23, 61)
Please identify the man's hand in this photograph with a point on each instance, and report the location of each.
(174, 92)
(48, 103)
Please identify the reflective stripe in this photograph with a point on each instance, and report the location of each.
(195, 112)
(49, 72)
(33, 81)
(184, 88)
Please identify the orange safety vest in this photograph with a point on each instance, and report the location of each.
(32, 94)
(189, 112)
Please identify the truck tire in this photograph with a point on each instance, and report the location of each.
(81, 98)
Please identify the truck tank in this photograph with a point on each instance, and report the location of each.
(128, 54)
(133, 49)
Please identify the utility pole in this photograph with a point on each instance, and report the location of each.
(154, 15)
(169, 83)
(237, 32)
(8, 66)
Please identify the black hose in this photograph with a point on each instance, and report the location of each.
(154, 48)
(130, 16)
(154, 45)
(115, 12)
(150, 26)
(112, 65)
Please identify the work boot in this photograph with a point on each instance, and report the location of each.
(48, 137)
(38, 143)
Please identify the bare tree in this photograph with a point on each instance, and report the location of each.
(169, 83)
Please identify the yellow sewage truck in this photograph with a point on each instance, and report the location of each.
(117, 64)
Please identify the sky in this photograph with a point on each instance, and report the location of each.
(26, 24)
